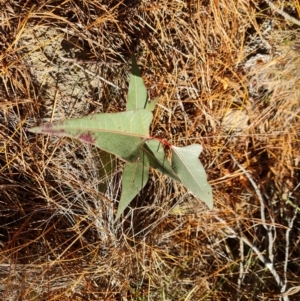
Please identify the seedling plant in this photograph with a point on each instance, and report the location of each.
(126, 135)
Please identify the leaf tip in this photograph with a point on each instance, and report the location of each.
(46, 129)
(210, 205)
(209, 201)
(36, 129)
(151, 105)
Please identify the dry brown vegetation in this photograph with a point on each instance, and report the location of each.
(227, 76)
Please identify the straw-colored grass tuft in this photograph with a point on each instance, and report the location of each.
(227, 76)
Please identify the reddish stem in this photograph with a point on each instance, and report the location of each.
(163, 141)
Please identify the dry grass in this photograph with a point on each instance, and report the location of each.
(58, 238)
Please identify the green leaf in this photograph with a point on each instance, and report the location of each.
(137, 93)
(134, 179)
(106, 170)
(186, 164)
(151, 105)
(157, 158)
(121, 134)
